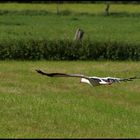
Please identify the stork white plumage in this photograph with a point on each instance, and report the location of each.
(93, 81)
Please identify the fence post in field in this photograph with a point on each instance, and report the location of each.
(107, 9)
(57, 8)
(79, 34)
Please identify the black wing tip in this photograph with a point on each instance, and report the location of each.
(39, 71)
(43, 73)
(130, 79)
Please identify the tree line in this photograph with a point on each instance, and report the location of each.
(43, 1)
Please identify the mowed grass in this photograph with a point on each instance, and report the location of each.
(38, 26)
(35, 106)
(77, 8)
(55, 27)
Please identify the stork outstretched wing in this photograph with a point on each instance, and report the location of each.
(122, 79)
(62, 74)
(94, 81)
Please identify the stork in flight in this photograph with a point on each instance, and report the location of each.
(93, 81)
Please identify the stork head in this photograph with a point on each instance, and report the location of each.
(110, 81)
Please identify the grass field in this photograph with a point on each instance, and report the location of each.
(77, 8)
(15, 26)
(33, 106)
(48, 27)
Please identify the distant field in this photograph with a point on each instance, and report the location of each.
(79, 8)
(33, 106)
(50, 27)
(32, 25)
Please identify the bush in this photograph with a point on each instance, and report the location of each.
(68, 50)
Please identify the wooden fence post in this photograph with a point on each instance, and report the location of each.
(107, 9)
(79, 34)
(57, 8)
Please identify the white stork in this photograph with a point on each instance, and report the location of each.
(93, 81)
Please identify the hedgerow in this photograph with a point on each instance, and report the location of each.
(68, 50)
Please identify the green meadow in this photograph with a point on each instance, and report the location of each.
(78, 8)
(35, 106)
(40, 21)
(54, 27)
